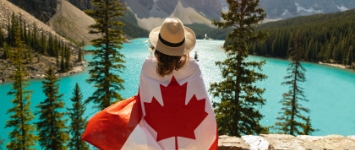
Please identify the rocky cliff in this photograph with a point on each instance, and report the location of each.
(82, 4)
(286, 142)
(41, 9)
(72, 23)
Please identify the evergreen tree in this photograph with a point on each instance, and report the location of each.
(62, 64)
(30, 57)
(78, 123)
(106, 57)
(22, 136)
(292, 121)
(51, 125)
(80, 53)
(43, 44)
(34, 39)
(2, 36)
(67, 57)
(11, 30)
(7, 53)
(236, 111)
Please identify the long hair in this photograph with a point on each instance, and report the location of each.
(167, 64)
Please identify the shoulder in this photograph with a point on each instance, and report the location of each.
(150, 64)
(191, 65)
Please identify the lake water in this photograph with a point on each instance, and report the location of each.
(330, 91)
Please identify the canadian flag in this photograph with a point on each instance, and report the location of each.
(172, 112)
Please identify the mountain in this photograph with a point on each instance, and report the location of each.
(72, 23)
(38, 62)
(151, 13)
(41, 9)
(7, 9)
(281, 9)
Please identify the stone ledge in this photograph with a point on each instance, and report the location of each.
(286, 142)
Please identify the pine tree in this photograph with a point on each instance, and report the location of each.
(30, 57)
(34, 39)
(236, 111)
(78, 122)
(22, 136)
(43, 44)
(62, 64)
(11, 30)
(292, 120)
(2, 36)
(80, 53)
(7, 53)
(106, 57)
(51, 125)
(67, 57)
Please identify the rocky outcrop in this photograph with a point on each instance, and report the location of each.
(82, 4)
(72, 22)
(187, 15)
(41, 9)
(143, 8)
(211, 9)
(286, 142)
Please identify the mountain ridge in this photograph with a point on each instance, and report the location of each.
(292, 8)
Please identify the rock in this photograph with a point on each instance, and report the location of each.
(231, 143)
(327, 142)
(256, 142)
(286, 142)
(283, 141)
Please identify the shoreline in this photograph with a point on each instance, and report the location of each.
(341, 66)
(336, 65)
(78, 67)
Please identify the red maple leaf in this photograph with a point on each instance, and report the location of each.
(174, 118)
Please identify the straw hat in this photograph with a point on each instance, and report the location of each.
(172, 38)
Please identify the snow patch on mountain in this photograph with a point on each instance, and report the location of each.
(342, 8)
(310, 10)
(287, 14)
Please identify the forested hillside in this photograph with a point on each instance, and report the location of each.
(131, 28)
(202, 30)
(325, 37)
(40, 49)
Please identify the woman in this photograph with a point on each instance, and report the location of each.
(173, 106)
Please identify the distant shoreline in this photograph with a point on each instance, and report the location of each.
(336, 65)
(341, 66)
(78, 67)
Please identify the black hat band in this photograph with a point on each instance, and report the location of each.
(171, 44)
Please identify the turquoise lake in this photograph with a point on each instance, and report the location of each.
(330, 90)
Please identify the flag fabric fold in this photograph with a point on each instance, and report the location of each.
(169, 113)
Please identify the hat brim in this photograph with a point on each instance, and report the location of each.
(189, 44)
